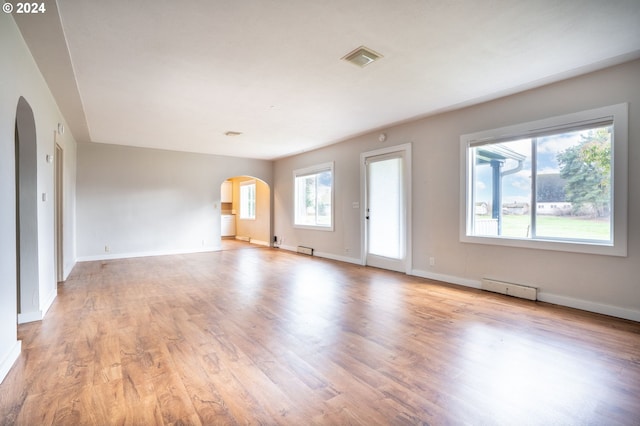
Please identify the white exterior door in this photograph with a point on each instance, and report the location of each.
(386, 209)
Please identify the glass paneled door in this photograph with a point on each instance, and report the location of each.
(386, 211)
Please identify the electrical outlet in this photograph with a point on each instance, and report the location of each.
(107, 249)
(432, 261)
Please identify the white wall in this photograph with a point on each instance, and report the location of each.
(603, 284)
(19, 76)
(143, 202)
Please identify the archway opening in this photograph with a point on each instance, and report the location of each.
(245, 212)
(26, 212)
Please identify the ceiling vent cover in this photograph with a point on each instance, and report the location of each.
(362, 56)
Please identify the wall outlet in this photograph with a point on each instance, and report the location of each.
(107, 249)
(432, 261)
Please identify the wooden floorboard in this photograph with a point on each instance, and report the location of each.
(264, 336)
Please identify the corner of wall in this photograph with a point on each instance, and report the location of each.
(10, 359)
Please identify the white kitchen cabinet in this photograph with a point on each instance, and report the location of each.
(226, 192)
(228, 225)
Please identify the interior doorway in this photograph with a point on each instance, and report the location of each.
(245, 210)
(387, 237)
(27, 277)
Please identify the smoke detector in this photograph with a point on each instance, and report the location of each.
(362, 56)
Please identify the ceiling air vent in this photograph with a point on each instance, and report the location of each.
(362, 56)
(232, 133)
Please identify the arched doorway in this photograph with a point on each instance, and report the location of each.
(26, 211)
(245, 208)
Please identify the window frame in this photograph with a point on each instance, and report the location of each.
(246, 183)
(309, 171)
(618, 114)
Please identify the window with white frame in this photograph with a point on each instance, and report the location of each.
(556, 184)
(313, 200)
(248, 199)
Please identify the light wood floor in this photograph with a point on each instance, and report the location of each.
(263, 336)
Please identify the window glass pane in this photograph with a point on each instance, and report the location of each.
(248, 201)
(573, 185)
(313, 194)
(502, 189)
(305, 200)
(573, 179)
(385, 190)
(323, 199)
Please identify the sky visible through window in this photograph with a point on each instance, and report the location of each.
(517, 187)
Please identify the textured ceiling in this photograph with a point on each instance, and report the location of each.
(179, 74)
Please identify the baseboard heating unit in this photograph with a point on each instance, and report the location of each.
(510, 289)
(305, 250)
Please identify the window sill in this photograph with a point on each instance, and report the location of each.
(314, 228)
(603, 248)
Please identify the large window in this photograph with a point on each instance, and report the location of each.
(248, 199)
(557, 184)
(314, 197)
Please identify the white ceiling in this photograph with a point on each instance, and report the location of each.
(177, 75)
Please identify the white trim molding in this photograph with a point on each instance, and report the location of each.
(30, 317)
(10, 359)
(114, 256)
(569, 302)
(618, 116)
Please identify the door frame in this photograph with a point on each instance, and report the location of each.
(58, 159)
(405, 149)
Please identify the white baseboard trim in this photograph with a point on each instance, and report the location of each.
(331, 256)
(49, 301)
(570, 302)
(113, 256)
(67, 270)
(324, 255)
(466, 282)
(587, 305)
(288, 248)
(259, 242)
(10, 359)
(30, 317)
